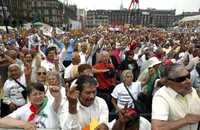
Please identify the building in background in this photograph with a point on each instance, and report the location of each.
(70, 12)
(47, 11)
(96, 18)
(162, 18)
(4, 14)
(82, 17)
(70, 16)
(142, 17)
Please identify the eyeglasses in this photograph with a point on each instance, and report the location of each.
(40, 73)
(181, 79)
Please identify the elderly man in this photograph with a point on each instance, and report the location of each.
(176, 106)
(84, 109)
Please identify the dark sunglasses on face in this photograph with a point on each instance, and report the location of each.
(181, 79)
(40, 73)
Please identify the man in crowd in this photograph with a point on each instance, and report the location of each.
(83, 108)
(176, 105)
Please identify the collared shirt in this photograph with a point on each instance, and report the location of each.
(195, 77)
(168, 105)
(84, 115)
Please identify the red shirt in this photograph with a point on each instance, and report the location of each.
(103, 81)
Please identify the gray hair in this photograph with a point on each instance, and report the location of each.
(124, 74)
(11, 66)
(170, 71)
(41, 67)
(102, 54)
(56, 74)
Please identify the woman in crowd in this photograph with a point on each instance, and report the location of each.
(14, 87)
(38, 113)
(54, 81)
(41, 76)
(120, 94)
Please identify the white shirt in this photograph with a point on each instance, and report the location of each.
(32, 40)
(48, 65)
(51, 98)
(12, 91)
(82, 57)
(67, 73)
(121, 94)
(168, 105)
(84, 115)
(144, 124)
(193, 61)
(51, 121)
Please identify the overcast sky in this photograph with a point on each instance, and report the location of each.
(179, 5)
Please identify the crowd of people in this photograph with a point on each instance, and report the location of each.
(97, 79)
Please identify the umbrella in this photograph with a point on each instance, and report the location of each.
(38, 24)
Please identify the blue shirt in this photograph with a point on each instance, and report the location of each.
(195, 79)
(70, 49)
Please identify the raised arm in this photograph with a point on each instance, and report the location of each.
(9, 122)
(177, 124)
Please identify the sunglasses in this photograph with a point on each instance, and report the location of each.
(181, 79)
(40, 73)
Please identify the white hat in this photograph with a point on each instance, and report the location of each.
(150, 63)
(153, 61)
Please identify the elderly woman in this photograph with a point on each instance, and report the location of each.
(38, 113)
(54, 85)
(14, 87)
(120, 94)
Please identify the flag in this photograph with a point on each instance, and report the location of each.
(92, 125)
(132, 3)
(87, 127)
